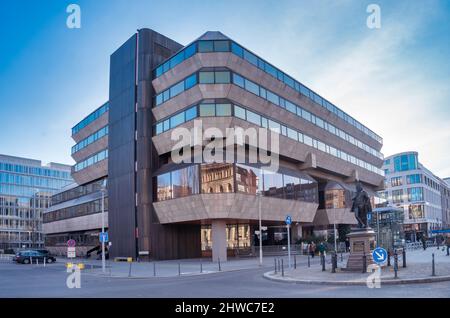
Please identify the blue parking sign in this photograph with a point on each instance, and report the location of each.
(288, 220)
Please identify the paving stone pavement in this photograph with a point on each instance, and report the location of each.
(419, 266)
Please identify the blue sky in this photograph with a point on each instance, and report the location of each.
(396, 79)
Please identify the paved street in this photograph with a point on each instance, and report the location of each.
(33, 281)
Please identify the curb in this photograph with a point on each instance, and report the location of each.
(191, 274)
(358, 283)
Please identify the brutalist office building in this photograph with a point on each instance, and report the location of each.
(159, 208)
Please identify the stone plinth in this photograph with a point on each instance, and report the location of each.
(362, 242)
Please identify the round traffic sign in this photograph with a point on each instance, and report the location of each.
(379, 255)
(71, 243)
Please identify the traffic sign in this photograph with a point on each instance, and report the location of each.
(71, 243)
(379, 255)
(103, 237)
(71, 252)
(369, 216)
(288, 220)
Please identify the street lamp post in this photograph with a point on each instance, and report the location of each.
(334, 229)
(103, 226)
(260, 230)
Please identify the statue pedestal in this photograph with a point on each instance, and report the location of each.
(362, 242)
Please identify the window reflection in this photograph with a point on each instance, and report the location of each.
(217, 177)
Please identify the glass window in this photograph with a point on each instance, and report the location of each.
(159, 71)
(238, 80)
(159, 99)
(177, 59)
(307, 140)
(271, 70)
(159, 128)
(273, 184)
(248, 179)
(191, 113)
(264, 122)
(250, 57)
(205, 46)
(221, 46)
(415, 194)
(236, 49)
(283, 130)
(206, 77)
(207, 110)
(290, 107)
(164, 190)
(319, 122)
(251, 87)
(190, 81)
(189, 51)
(222, 77)
(274, 126)
(166, 124)
(321, 146)
(223, 109)
(177, 120)
(271, 97)
(217, 177)
(239, 112)
(176, 89)
(253, 118)
(262, 92)
(292, 134)
(306, 115)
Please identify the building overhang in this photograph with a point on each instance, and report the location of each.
(236, 206)
(334, 216)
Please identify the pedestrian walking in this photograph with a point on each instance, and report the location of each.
(347, 245)
(322, 248)
(312, 249)
(424, 242)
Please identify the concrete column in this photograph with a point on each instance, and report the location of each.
(219, 240)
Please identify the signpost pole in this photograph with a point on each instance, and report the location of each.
(103, 231)
(289, 244)
(260, 231)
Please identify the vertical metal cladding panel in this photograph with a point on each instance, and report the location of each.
(161, 241)
(121, 145)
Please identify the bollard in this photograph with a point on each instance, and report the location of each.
(333, 264)
(309, 262)
(129, 270)
(179, 269)
(154, 269)
(201, 267)
(389, 258)
(295, 262)
(404, 258)
(364, 269)
(433, 269)
(275, 261)
(322, 258)
(282, 268)
(395, 265)
(220, 269)
(448, 250)
(44, 261)
(342, 258)
(37, 261)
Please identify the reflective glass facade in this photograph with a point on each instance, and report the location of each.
(25, 190)
(102, 132)
(405, 162)
(90, 118)
(221, 109)
(227, 178)
(224, 77)
(102, 155)
(231, 46)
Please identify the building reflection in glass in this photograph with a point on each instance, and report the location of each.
(238, 236)
(217, 177)
(178, 183)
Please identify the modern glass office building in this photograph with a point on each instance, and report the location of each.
(423, 196)
(159, 208)
(25, 189)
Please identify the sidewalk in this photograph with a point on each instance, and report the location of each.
(170, 268)
(418, 270)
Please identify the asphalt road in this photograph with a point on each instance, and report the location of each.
(32, 281)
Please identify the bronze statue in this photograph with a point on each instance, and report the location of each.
(361, 206)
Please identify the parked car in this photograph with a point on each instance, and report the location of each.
(25, 257)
